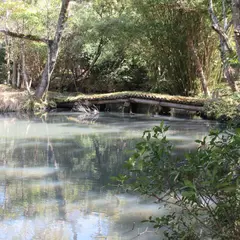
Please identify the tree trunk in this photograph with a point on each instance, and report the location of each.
(14, 74)
(19, 79)
(7, 57)
(25, 77)
(224, 43)
(236, 24)
(53, 48)
(226, 68)
(199, 68)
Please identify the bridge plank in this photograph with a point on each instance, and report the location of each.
(179, 102)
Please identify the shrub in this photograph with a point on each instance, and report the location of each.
(223, 109)
(204, 186)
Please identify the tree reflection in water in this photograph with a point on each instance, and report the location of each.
(54, 177)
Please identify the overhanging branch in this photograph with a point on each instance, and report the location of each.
(24, 36)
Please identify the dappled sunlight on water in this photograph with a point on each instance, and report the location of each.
(55, 175)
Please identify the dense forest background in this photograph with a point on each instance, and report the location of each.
(177, 47)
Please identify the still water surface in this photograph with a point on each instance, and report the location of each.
(55, 175)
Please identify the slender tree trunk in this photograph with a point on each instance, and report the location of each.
(199, 68)
(226, 67)
(236, 24)
(53, 48)
(7, 57)
(19, 80)
(14, 74)
(224, 43)
(25, 77)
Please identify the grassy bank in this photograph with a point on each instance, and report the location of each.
(222, 108)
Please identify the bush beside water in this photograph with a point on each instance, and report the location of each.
(204, 186)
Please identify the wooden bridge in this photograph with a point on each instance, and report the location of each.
(127, 98)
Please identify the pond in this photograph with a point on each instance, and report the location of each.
(55, 175)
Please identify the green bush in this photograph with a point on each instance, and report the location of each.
(203, 187)
(223, 109)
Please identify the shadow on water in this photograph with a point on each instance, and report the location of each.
(55, 174)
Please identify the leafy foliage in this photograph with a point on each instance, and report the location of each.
(119, 45)
(223, 109)
(201, 190)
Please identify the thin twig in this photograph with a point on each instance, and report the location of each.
(141, 233)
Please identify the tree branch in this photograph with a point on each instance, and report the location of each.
(221, 32)
(97, 55)
(229, 25)
(215, 25)
(24, 36)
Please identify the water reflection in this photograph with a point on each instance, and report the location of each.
(54, 175)
(32, 173)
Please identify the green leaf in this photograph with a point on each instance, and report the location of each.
(188, 183)
(188, 194)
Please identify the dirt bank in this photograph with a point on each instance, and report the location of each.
(12, 100)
